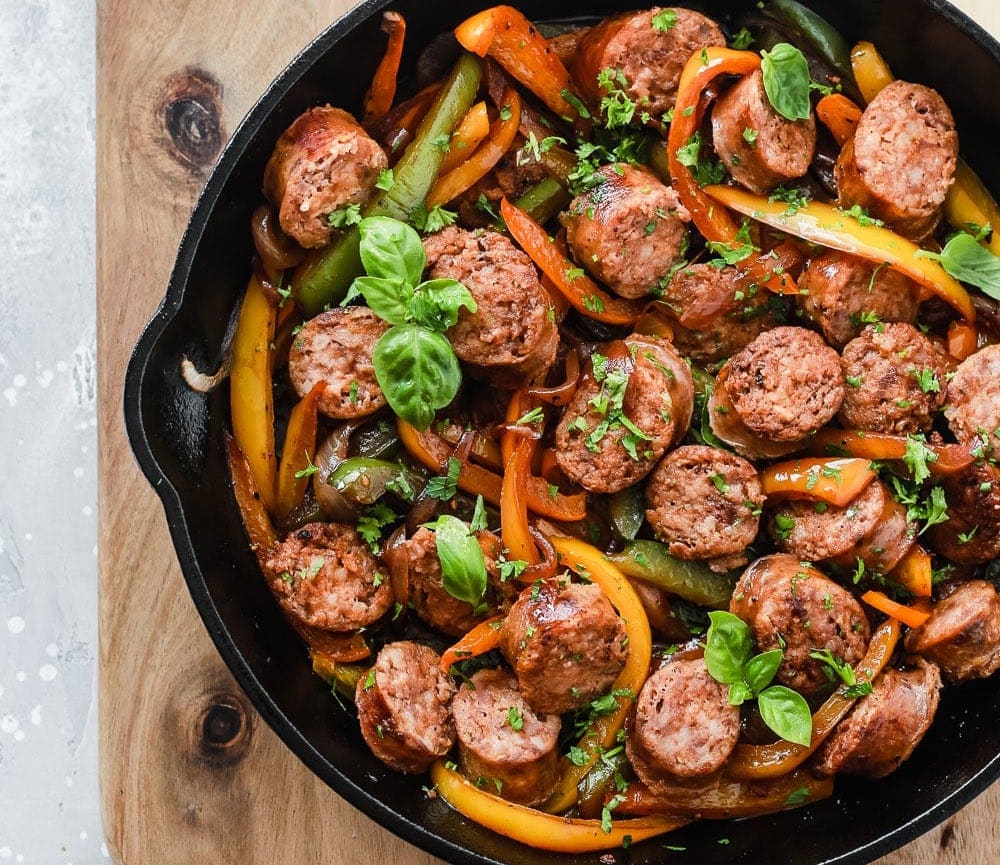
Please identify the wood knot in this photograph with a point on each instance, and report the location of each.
(191, 115)
(220, 729)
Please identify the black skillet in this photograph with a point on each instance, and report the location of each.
(177, 436)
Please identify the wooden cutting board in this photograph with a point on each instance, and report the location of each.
(189, 772)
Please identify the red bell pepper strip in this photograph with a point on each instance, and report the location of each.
(951, 458)
(840, 115)
(909, 616)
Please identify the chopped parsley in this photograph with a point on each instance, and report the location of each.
(444, 488)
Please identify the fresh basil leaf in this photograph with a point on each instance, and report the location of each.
(391, 249)
(727, 647)
(965, 260)
(786, 81)
(388, 298)
(436, 303)
(417, 371)
(463, 568)
(786, 713)
(761, 668)
(739, 693)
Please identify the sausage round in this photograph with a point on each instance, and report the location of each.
(566, 644)
(962, 636)
(883, 728)
(704, 503)
(973, 409)
(781, 150)
(322, 162)
(628, 230)
(684, 728)
(336, 347)
(599, 452)
(650, 59)
(404, 707)
(896, 380)
(511, 338)
(873, 528)
(901, 161)
(504, 746)
(324, 576)
(788, 601)
(843, 290)
(971, 534)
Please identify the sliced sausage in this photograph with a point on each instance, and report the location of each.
(843, 291)
(404, 706)
(504, 746)
(882, 730)
(566, 644)
(873, 528)
(790, 603)
(595, 446)
(324, 576)
(511, 338)
(684, 728)
(896, 380)
(973, 409)
(322, 162)
(901, 161)
(962, 636)
(760, 148)
(971, 534)
(564, 45)
(649, 51)
(336, 347)
(704, 503)
(628, 230)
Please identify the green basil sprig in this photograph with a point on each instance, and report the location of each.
(463, 566)
(729, 659)
(966, 260)
(415, 364)
(786, 81)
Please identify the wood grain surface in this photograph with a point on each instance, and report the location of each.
(189, 773)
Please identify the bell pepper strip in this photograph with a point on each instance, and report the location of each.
(396, 129)
(909, 616)
(475, 126)
(962, 340)
(331, 647)
(483, 638)
(914, 572)
(840, 115)
(837, 480)
(754, 762)
(256, 520)
(326, 274)
(543, 201)
(950, 458)
(827, 226)
(380, 95)
(475, 167)
(969, 203)
(537, 829)
(298, 452)
(250, 390)
(343, 678)
(580, 290)
(518, 451)
(693, 581)
(512, 40)
(771, 269)
(871, 72)
(587, 560)
(820, 34)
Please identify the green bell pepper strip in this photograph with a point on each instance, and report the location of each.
(324, 277)
(825, 38)
(363, 481)
(544, 200)
(650, 562)
(627, 511)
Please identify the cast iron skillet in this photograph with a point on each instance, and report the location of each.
(177, 436)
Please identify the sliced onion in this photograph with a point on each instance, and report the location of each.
(330, 454)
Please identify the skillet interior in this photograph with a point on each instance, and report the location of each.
(177, 436)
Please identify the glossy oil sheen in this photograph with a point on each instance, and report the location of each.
(178, 438)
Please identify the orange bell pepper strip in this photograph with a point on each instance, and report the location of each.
(475, 167)
(580, 290)
(951, 458)
(379, 98)
(840, 115)
(250, 390)
(332, 648)
(962, 340)
(518, 451)
(752, 762)
(475, 126)
(585, 559)
(909, 616)
(837, 480)
(825, 225)
(538, 829)
(914, 572)
(256, 520)
(297, 454)
(483, 638)
(513, 41)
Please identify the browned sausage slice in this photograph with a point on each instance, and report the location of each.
(971, 534)
(973, 409)
(404, 707)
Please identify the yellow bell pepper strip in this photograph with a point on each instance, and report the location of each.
(379, 98)
(586, 560)
(837, 480)
(483, 638)
(512, 40)
(827, 226)
(343, 677)
(914, 572)
(840, 115)
(909, 616)
(871, 72)
(950, 458)
(250, 390)
(475, 126)
(475, 167)
(256, 521)
(753, 762)
(298, 452)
